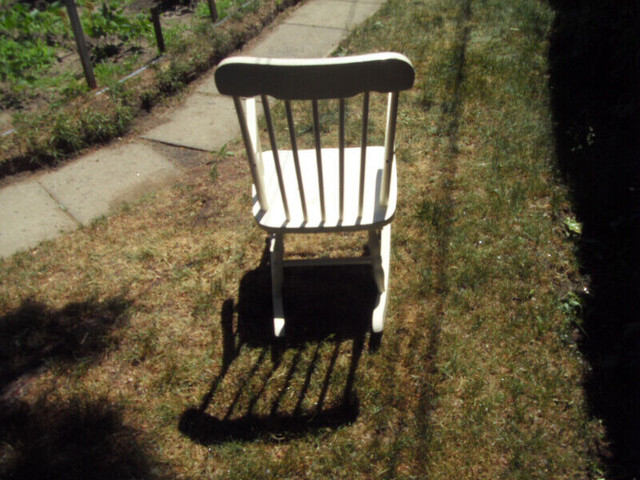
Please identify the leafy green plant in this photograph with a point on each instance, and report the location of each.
(112, 28)
(19, 20)
(22, 61)
(573, 226)
(26, 41)
(110, 19)
(30, 38)
(222, 6)
(173, 78)
(66, 135)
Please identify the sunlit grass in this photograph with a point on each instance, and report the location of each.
(477, 374)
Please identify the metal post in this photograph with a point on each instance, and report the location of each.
(82, 46)
(157, 28)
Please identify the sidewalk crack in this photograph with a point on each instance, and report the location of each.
(63, 208)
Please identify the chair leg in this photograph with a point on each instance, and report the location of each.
(276, 250)
(374, 249)
(380, 247)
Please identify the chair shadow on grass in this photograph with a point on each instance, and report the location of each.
(328, 313)
(595, 85)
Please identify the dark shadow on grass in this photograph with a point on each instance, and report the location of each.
(75, 440)
(595, 81)
(323, 306)
(207, 429)
(34, 334)
(319, 302)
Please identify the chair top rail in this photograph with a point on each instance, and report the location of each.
(314, 78)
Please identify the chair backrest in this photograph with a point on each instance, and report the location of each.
(315, 79)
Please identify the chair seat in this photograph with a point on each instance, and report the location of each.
(374, 215)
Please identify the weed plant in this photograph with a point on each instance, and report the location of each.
(222, 7)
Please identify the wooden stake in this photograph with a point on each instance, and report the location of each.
(157, 28)
(82, 46)
(213, 10)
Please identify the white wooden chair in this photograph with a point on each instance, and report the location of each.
(320, 189)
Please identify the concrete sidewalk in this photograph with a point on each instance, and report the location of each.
(52, 203)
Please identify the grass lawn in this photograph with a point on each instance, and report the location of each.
(139, 347)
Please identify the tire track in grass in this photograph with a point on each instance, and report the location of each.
(424, 347)
(449, 128)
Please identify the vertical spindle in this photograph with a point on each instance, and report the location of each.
(251, 153)
(341, 155)
(316, 131)
(276, 156)
(392, 111)
(363, 149)
(296, 159)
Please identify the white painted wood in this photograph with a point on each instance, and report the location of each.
(341, 146)
(320, 176)
(374, 248)
(374, 215)
(363, 148)
(248, 126)
(314, 78)
(389, 145)
(296, 160)
(380, 310)
(276, 250)
(274, 149)
(321, 189)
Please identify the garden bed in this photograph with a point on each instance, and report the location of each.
(47, 111)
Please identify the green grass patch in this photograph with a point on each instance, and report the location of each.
(478, 374)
